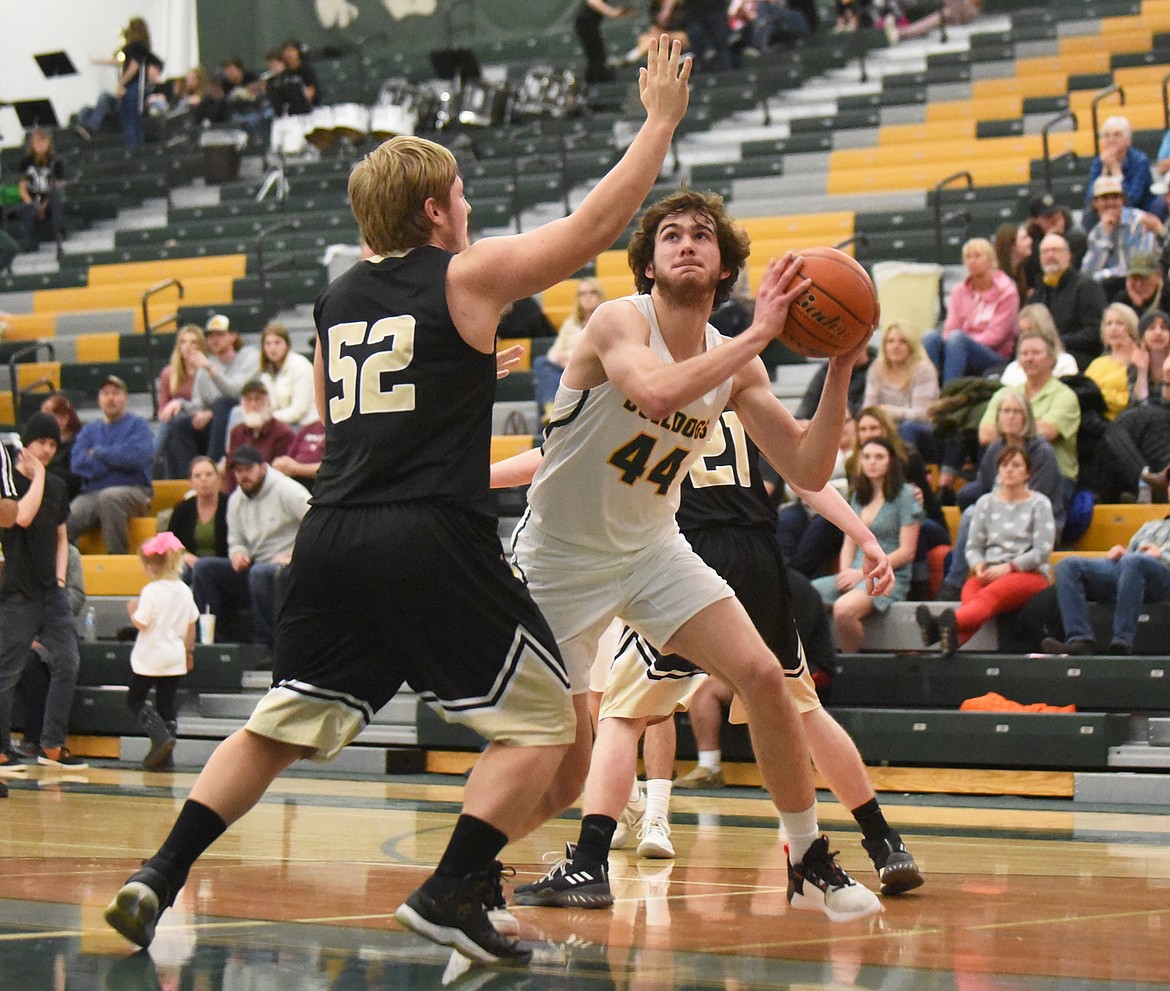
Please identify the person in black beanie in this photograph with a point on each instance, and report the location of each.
(33, 603)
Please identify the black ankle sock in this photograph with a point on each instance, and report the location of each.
(193, 832)
(596, 836)
(873, 823)
(473, 845)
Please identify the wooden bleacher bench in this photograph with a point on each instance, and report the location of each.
(166, 494)
(112, 574)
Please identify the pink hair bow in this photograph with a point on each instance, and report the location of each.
(162, 543)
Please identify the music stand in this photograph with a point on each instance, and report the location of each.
(455, 63)
(55, 64)
(35, 113)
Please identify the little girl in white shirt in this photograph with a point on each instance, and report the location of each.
(165, 615)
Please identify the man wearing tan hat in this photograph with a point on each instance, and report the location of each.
(1120, 232)
(1143, 284)
(113, 458)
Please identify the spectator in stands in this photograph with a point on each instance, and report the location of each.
(1013, 248)
(58, 406)
(113, 458)
(42, 179)
(666, 18)
(141, 71)
(904, 384)
(200, 519)
(1126, 577)
(1012, 536)
(1046, 216)
(812, 393)
(1111, 371)
(1119, 159)
(1120, 233)
(927, 17)
(1074, 300)
(1015, 427)
(890, 508)
(9, 249)
(220, 375)
(1035, 316)
(258, 427)
(299, 74)
(288, 376)
(1054, 405)
(524, 318)
(853, 14)
(33, 603)
(38, 668)
(305, 455)
(176, 387)
(763, 24)
(709, 32)
(263, 516)
(1149, 361)
(547, 368)
(587, 24)
(1143, 284)
(980, 329)
(235, 95)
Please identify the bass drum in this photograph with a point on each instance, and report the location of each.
(389, 120)
(319, 129)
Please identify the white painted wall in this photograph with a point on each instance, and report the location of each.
(84, 29)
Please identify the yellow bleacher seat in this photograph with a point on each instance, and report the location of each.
(141, 528)
(1116, 523)
(925, 175)
(993, 108)
(509, 445)
(167, 493)
(6, 412)
(112, 574)
(951, 514)
(99, 347)
(30, 326)
(151, 273)
(943, 130)
(32, 372)
(525, 364)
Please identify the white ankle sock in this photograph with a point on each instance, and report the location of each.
(658, 798)
(711, 760)
(801, 830)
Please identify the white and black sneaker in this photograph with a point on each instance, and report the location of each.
(818, 883)
(895, 866)
(451, 911)
(568, 885)
(139, 903)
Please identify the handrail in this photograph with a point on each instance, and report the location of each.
(938, 223)
(860, 243)
(1166, 100)
(12, 363)
(1063, 115)
(261, 262)
(149, 328)
(1103, 94)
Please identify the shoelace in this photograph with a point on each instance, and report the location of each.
(653, 824)
(825, 864)
(560, 867)
(496, 873)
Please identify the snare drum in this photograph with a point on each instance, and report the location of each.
(482, 104)
(351, 121)
(319, 128)
(547, 92)
(288, 135)
(388, 120)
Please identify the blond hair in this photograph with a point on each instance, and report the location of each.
(983, 247)
(177, 369)
(162, 566)
(389, 188)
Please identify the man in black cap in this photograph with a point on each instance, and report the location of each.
(1047, 216)
(33, 603)
(263, 516)
(113, 458)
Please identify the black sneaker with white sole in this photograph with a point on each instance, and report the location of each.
(136, 908)
(568, 885)
(451, 911)
(896, 868)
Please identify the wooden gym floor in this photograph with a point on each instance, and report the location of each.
(1028, 893)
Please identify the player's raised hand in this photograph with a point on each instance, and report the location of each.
(508, 359)
(662, 83)
(782, 283)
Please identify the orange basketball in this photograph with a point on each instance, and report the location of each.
(837, 312)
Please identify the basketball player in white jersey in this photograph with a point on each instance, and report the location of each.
(645, 386)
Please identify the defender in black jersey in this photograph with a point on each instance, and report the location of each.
(727, 517)
(397, 574)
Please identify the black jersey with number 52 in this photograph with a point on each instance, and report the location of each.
(407, 400)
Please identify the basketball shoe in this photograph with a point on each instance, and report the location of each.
(628, 821)
(497, 906)
(136, 908)
(818, 883)
(451, 911)
(654, 840)
(895, 867)
(568, 885)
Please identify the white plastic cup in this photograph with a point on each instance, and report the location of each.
(207, 627)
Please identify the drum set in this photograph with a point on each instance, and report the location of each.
(405, 107)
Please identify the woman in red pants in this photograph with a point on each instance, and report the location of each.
(1012, 535)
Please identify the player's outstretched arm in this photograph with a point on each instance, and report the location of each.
(875, 566)
(516, 470)
(508, 268)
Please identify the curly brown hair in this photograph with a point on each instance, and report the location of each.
(734, 244)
